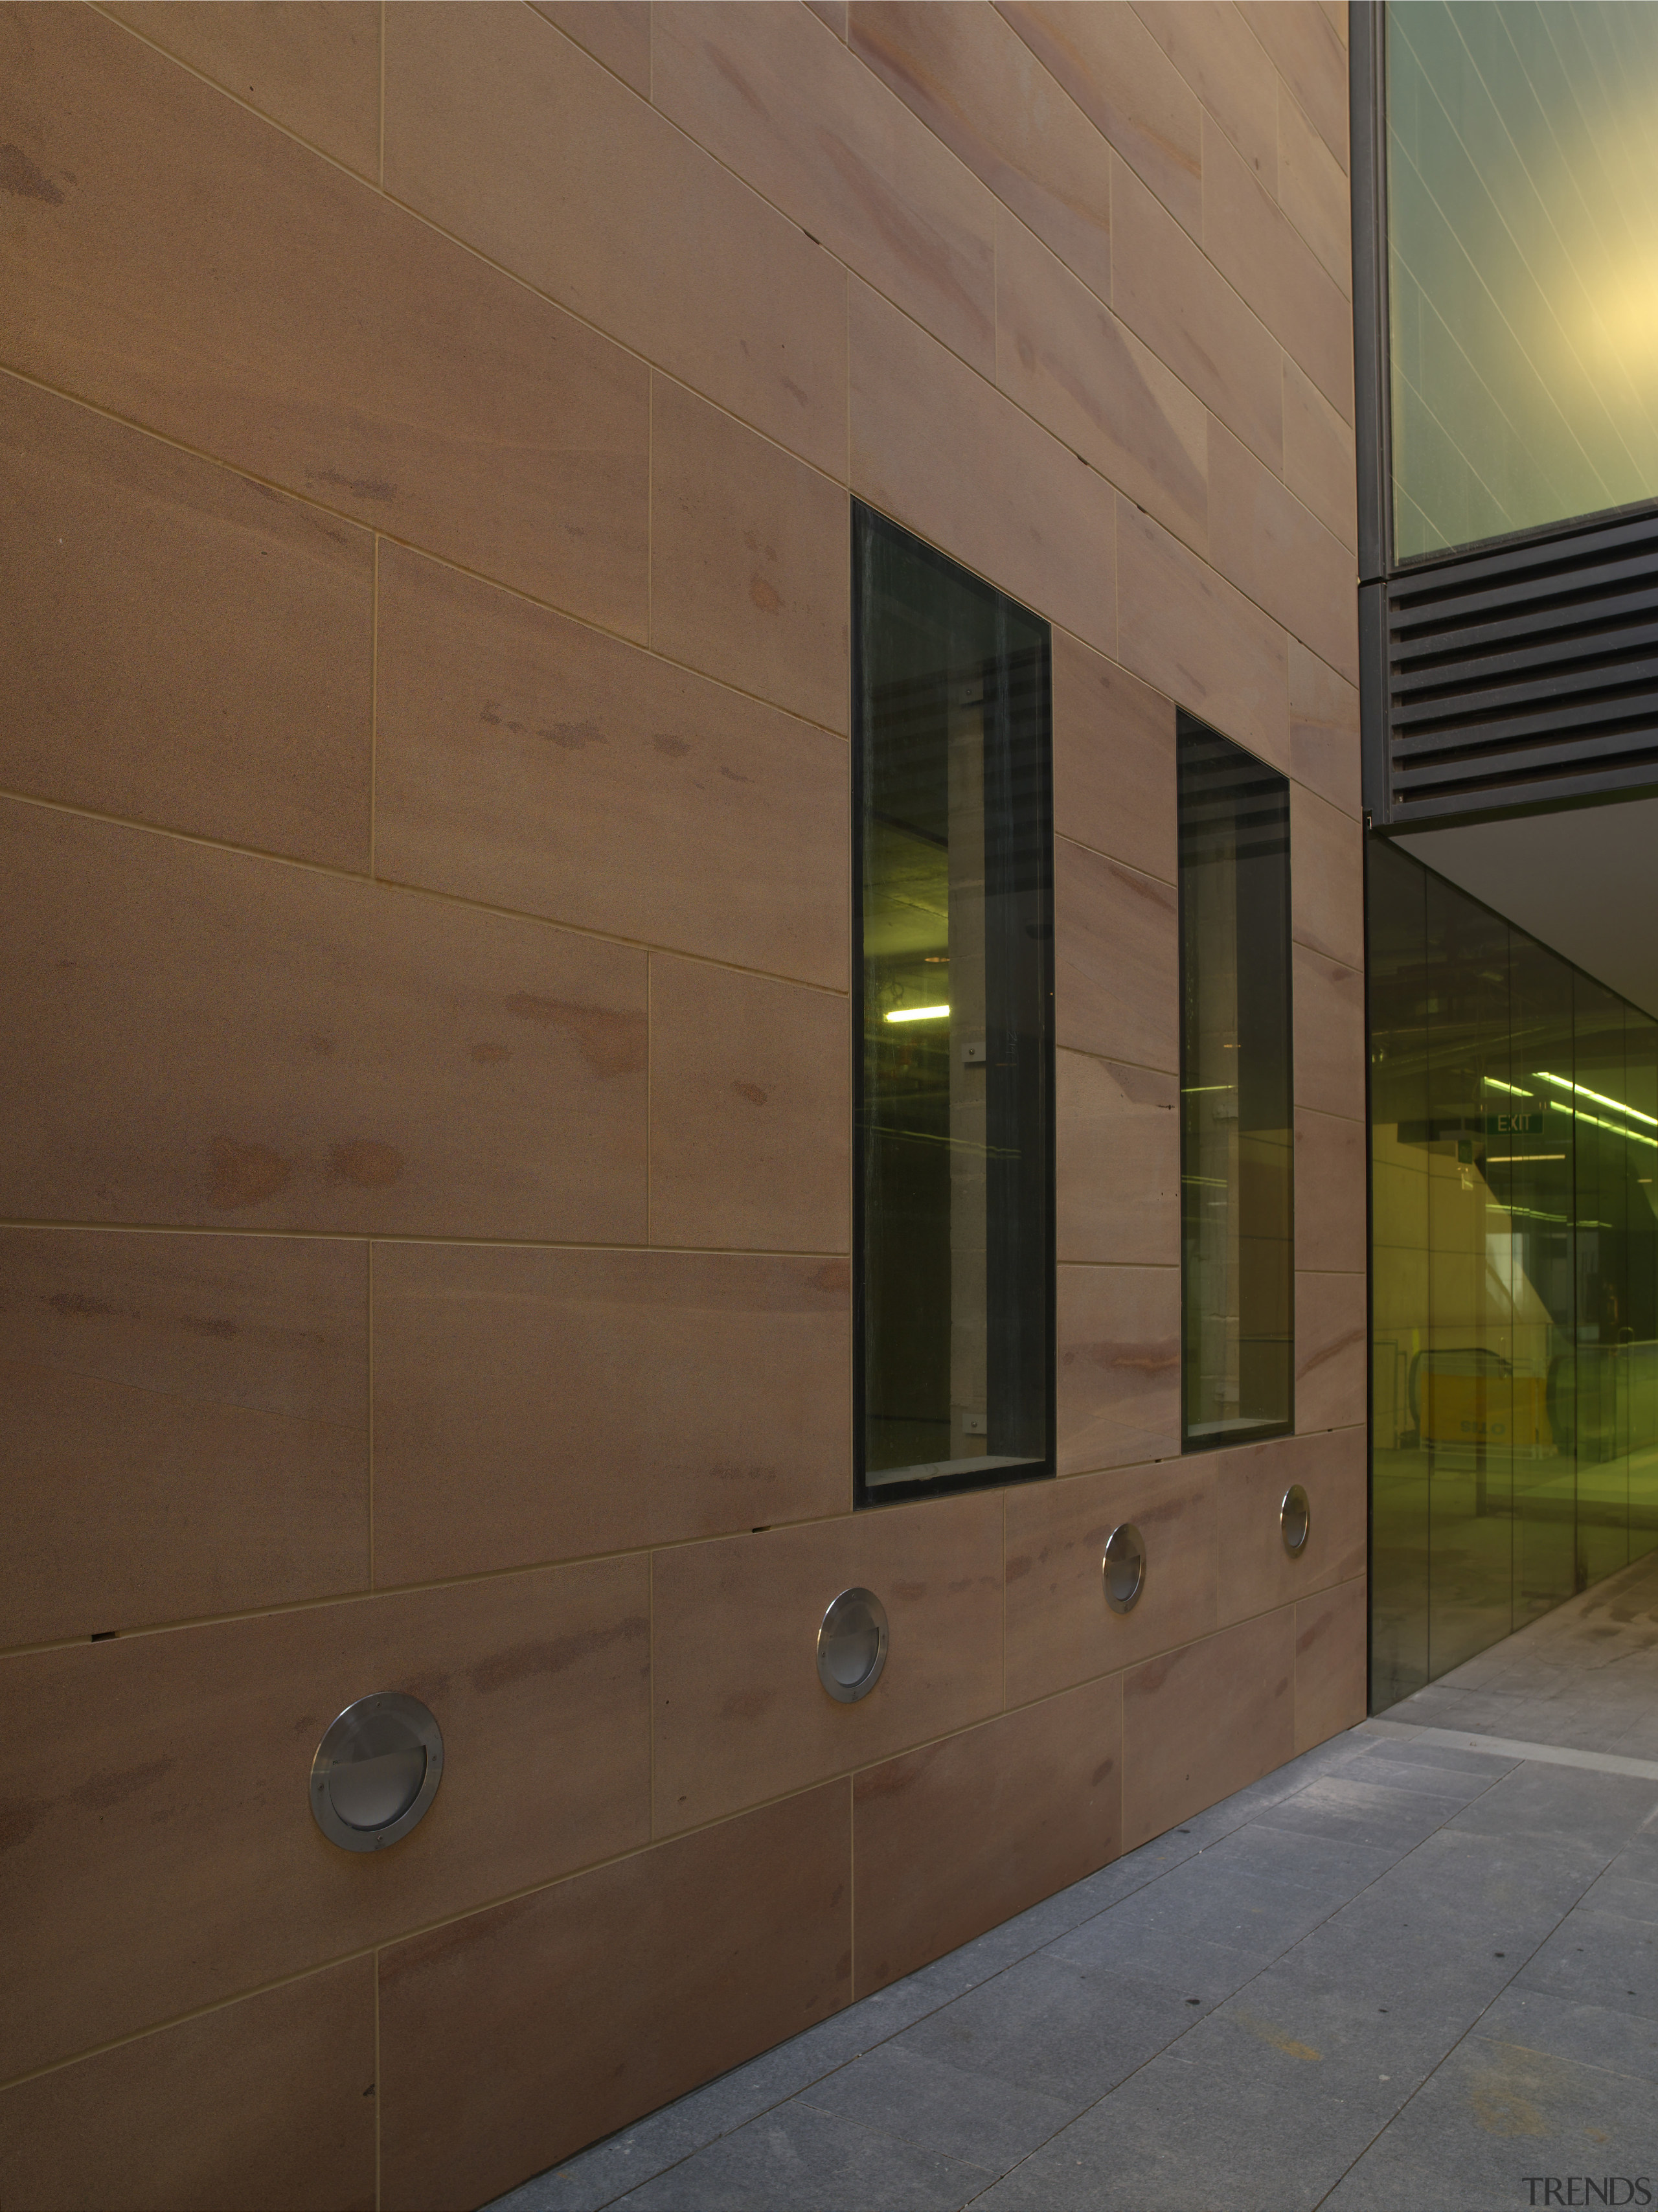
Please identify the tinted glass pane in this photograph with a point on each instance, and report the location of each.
(1522, 187)
(1536, 1186)
(1399, 998)
(1641, 1070)
(1462, 1383)
(1515, 1277)
(1237, 1165)
(1604, 1334)
(955, 994)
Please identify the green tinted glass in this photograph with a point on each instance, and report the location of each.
(1513, 1137)
(1522, 235)
(954, 1234)
(1237, 1143)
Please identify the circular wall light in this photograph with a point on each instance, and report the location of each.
(852, 1645)
(1294, 1519)
(376, 1772)
(1123, 1567)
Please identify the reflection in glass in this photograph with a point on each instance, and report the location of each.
(1514, 1108)
(1523, 221)
(1237, 1146)
(955, 994)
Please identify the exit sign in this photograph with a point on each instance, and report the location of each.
(1555, 1121)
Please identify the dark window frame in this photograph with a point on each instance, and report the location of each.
(1263, 1431)
(889, 1493)
(1372, 394)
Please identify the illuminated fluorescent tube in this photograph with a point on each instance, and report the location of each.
(1599, 1098)
(921, 1014)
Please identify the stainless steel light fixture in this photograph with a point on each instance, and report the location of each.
(852, 1645)
(376, 1772)
(1123, 1567)
(1294, 1519)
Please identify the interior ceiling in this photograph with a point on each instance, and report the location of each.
(1585, 882)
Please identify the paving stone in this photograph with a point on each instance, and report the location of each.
(1380, 1799)
(1533, 1880)
(1591, 2034)
(1476, 1712)
(1438, 1779)
(810, 2161)
(1359, 2037)
(1261, 2108)
(974, 2117)
(1599, 1957)
(1359, 1812)
(1489, 1765)
(1406, 1951)
(1160, 1935)
(1492, 2114)
(1604, 1724)
(1638, 1859)
(1325, 1864)
(1616, 1893)
(1067, 2031)
(1569, 1801)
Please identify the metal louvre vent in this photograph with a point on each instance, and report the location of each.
(1526, 677)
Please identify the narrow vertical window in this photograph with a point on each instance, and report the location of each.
(1238, 1139)
(953, 896)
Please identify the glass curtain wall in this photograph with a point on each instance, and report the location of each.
(1515, 1277)
(953, 1116)
(1522, 253)
(1237, 1139)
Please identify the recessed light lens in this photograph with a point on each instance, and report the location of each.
(852, 1645)
(1295, 1518)
(1124, 1567)
(376, 1772)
